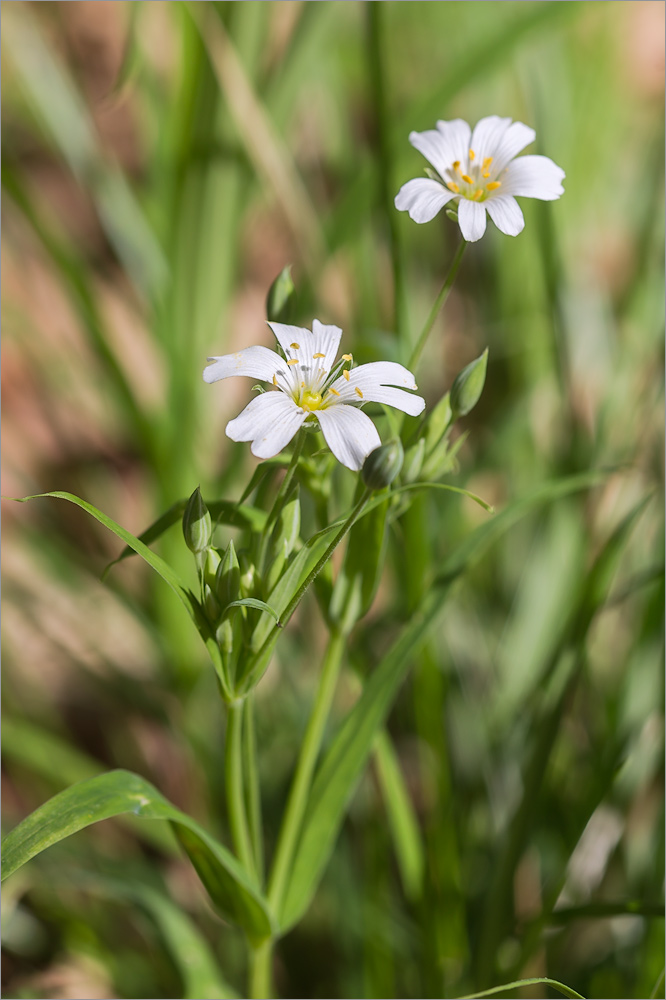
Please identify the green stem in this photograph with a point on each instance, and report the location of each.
(260, 971)
(300, 788)
(281, 497)
(253, 791)
(233, 768)
(439, 302)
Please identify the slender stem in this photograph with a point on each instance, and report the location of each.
(260, 971)
(233, 768)
(439, 302)
(282, 494)
(300, 788)
(253, 793)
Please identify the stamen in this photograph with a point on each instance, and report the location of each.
(487, 161)
(358, 392)
(456, 164)
(486, 173)
(302, 385)
(318, 355)
(294, 361)
(334, 391)
(467, 179)
(472, 154)
(346, 374)
(347, 357)
(477, 194)
(494, 185)
(296, 347)
(275, 380)
(452, 186)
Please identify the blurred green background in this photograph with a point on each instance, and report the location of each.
(160, 164)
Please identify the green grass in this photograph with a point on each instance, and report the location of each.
(521, 771)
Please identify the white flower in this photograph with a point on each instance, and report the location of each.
(309, 386)
(478, 170)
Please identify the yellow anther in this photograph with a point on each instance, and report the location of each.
(487, 161)
(486, 173)
(296, 347)
(294, 361)
(311, 400)
(456, 164)
(318, 355)
(452, 186)
(334, 391)
(275, 380)
(346, 374)
(477, 194)
(467, 179)
(302, 385)
(494, 185)
(358, 392)
(347, 357)
(472, 154)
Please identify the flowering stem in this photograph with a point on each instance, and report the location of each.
(233, 770)
(439, 302)
(260, 971)
(253, 791)
(293, 815)
(281, 497)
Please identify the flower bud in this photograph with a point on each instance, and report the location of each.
(281, 298)
(249, 578)
(211, 605)
(468, 386)
(413, 461)
(452, 214)
(197, 524)
(227, 577)
(211, 566)
(382, 465)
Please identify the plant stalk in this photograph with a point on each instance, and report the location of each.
(233, 769)
(415, 356)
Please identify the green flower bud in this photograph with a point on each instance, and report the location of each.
(197, 524)
(452, 214)
(281, 298)
(227, 577)
(249, 578)
(413, 462)
(224, 636)
(468, 386)
(211, 566)
(211, 605)
(382, 465)
(438, 423)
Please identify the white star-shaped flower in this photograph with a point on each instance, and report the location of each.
(308, 386)
(478, 170)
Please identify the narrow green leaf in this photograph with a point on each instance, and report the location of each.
(566, 991)
(161, 567)
(348, 754)
(121, 792)
(252, 602)
(403, 823)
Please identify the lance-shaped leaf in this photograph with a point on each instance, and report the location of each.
(118, 793)
(161, 567)
(348, 754)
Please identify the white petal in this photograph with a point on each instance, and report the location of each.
(349, 433)
(433, 147)
(257, 362)
(303, 346)
(505, 212)
(422, 198)
(376, 383)
(269, 422)
(487, 135)
(516, 137)
(534, 177)
(455, 137)
(472, 219)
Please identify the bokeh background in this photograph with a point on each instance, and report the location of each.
(160, 164)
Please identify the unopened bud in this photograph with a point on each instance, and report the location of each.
(281, 298)
(211, 605)
(227, 578)
(248, 576)
(452, 214)
(197, 525)
(382, 465)
(468, 386)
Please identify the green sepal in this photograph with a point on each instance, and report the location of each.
(197, 524)
(468, 386)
